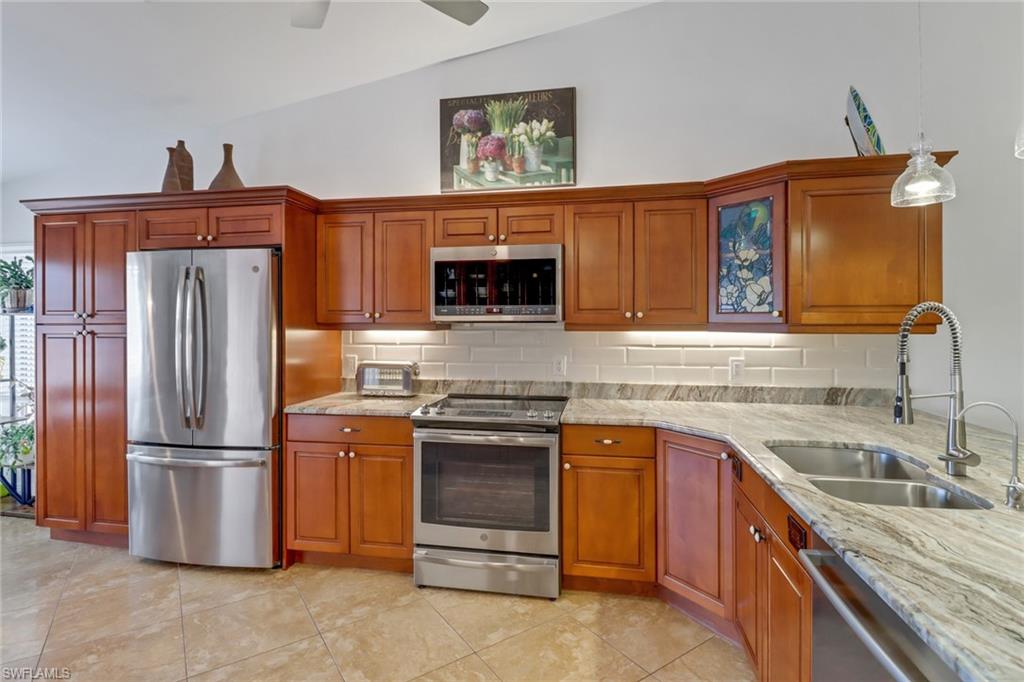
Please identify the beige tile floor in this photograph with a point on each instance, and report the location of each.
(105, 616)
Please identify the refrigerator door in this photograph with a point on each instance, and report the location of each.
(235, 362)
(159, 409)
(209, 507)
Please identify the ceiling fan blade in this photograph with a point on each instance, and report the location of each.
(466, 11)
(309, 14)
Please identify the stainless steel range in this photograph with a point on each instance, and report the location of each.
(486, 494)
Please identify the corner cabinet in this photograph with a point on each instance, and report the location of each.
(374, 268)
(747, 255)
(636, 265)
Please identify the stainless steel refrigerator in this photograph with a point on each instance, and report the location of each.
(202, 405)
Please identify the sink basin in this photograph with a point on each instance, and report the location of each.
(847, 462)
(896, 493)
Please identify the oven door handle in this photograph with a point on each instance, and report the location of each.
(488, 438)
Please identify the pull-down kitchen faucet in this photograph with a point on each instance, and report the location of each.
(957, 457)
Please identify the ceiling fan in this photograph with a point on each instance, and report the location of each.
(311, 13)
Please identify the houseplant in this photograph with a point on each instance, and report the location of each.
(17, 442)
(16, 284)
(534, 136)
(491, 150)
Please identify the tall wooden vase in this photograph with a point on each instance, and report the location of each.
(183, 162)
(227, 177)
(171, 181)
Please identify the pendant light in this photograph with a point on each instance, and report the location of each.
(924, 181)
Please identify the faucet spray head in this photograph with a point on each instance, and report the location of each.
(902, 410)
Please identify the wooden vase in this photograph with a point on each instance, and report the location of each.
(183, 163)
(227, 177)
(171, 181)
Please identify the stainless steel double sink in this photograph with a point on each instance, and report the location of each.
(872, 477)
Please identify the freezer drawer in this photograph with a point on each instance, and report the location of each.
(210, 507)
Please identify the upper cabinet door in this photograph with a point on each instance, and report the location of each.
(671, 278)
(178, 228)
(853, 258)
(246, 225)
(465, 227)
(344, 275)
(531, 224)
(747, 255)
(401, 265)
(59, 269)
(599, 264)
(108, 239)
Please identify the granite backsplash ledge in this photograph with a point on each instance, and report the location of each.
(787, 395)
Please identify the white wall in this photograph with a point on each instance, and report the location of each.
(675, 92)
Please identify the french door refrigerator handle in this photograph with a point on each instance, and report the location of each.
(199, 385)
(196, 463)
(190, 348)
(180, 341)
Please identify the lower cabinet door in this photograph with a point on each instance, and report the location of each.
(694, 521)
(749, 559)
(789, 609)
(317, 497)
(60, 450)
(106, 469)
(608, 517)
(380, 481)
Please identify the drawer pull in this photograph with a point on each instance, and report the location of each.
(567, 466)
(349, 429)
(724, 456)
(351, 455)
(607, 441)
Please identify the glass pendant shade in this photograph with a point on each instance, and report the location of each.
(924, 181)
(1018, 146)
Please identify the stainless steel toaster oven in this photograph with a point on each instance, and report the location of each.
(386, 378)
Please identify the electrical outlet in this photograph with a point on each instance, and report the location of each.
(558, 366)
(736, 366)
(348, 365)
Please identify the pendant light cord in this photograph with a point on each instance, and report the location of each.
(920, 75)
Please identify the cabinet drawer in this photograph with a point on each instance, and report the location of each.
(792, 531)
(747, 480)
(326, 428)
(629, 441)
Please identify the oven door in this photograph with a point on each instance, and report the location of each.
(486, 490)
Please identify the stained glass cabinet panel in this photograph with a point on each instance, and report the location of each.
(747, 255)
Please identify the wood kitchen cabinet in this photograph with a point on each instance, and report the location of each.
(750, 567)
(374, 268)
(636, 265)
(608, 517)
(694, 495)
(505, 225)
(81, 416)
(788, 605)
(856, 260)
(80, 267)
(220, 226)
(353, 497)
(466, 227)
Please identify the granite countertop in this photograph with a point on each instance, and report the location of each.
(354, 405)
(955, 576)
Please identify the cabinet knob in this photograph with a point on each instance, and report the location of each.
(209, 237)
(351, 455)
(567, 466)
(758, 537)
(724, 455)
(628, 314)
(503, 237)
(376, 316)
(341, 453)
(490, 237)
(367, 315)
(199, 237)
(639, 316)
(776, 313)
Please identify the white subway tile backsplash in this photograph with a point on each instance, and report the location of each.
(599, 355)
(654, 356)
(773, 357)
(789, 376)
(626, 375)
(634, 356)
(496, 354)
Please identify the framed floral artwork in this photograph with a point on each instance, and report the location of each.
(513, 140)
(747, 244)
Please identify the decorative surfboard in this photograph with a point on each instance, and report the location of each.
(862, 127)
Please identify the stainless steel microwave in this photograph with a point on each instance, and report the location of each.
(496, 283)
